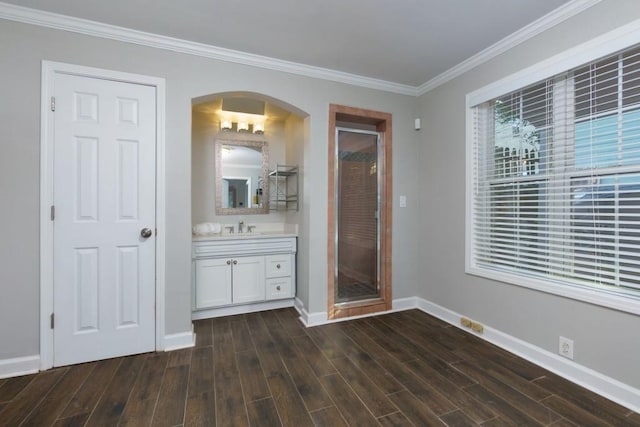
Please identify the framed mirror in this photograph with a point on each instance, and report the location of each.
(242, 172)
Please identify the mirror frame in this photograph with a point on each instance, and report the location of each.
(263, 147)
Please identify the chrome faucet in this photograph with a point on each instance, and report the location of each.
(240, 225)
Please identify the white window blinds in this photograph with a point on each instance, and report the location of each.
(556, 178)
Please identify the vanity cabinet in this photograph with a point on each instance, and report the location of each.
(234, 271)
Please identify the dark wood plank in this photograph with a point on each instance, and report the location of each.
(514, 380)
(180, 357)
(424, 336)
(73, 421)
(13, 386)
(201, 410)
(573, 413)
(417, 412)
(437, 402)
(114, 399)
(429, 367)
(563, 422)
(447, 383)
(230, 404)
(596, 405)
(539, 412)
(397, 419)
(30, 396)
(263, 413)
(201, 373)
(240, 334)
(315, 358)
(143, 397)
(88, 395)
(204, 332)
(288, 401)
(55, 401)
(328, 417)
(396, 346)
(374, 399)
(254, 382)
(314, 396)
(350, 407)
(457, 419)
(328, 348)
(171, 401)
(201, 404)
(290, 321)
(500, 406)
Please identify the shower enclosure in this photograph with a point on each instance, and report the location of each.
(357, 214)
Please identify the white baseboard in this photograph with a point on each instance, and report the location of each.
(241, 309)
(402, 304)
(180, 340)
(593, 380)
(19, 366)
(322, 318)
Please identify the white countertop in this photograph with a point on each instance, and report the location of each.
(241, 236)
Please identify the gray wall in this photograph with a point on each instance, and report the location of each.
(23, 47)
(605, 340)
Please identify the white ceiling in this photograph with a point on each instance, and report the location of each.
(407, 42)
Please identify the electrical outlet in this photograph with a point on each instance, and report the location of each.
(477, 327)
(465, 322)
(565, 347)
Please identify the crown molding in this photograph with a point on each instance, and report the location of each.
(92, 28)
(551, 19)
(97, 29)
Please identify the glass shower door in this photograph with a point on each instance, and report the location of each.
(357, 200)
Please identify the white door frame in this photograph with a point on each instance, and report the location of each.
(49, 70)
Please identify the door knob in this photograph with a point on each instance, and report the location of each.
(146, 233)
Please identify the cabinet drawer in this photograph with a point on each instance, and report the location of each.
(279, 288)
(278, 265)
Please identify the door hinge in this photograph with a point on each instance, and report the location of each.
(53, 103)
(53, 212)
(53, 320)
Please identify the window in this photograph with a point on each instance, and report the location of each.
(554, 190)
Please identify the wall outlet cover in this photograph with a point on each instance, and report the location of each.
(565, 347)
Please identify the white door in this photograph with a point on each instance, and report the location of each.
(104, 197)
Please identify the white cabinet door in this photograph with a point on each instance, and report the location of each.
(248, 279)
(213, 282)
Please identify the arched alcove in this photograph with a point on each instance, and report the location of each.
(220, 116)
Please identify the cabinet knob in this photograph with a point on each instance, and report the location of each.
(278, 266)
(228, 262)
(235, 261)
(278, 288)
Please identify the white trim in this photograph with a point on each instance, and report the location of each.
(322, 318)
(179, 341)
(551, 19)
(19, 366)
(92, 28)
(241, 309)
(402, 304)
(97, 29)
(601, 384)
(49, 69)
(603, 45)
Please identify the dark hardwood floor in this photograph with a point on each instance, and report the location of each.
(266, 369)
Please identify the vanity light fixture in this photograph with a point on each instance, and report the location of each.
(226, 125)
(243, 126)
